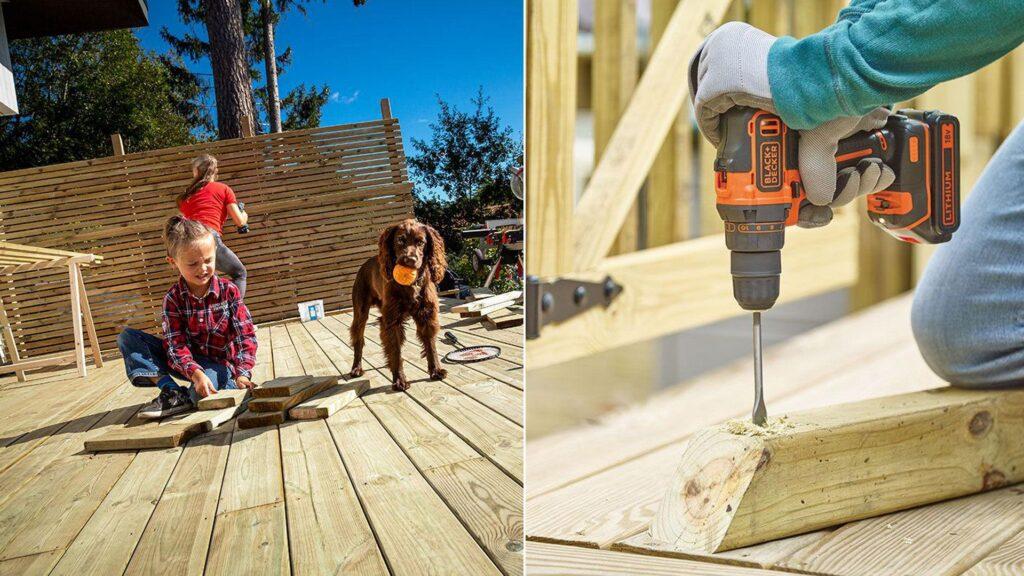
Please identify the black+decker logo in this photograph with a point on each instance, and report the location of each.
(770, 174)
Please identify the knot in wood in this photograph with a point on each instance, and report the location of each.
(993, 479)
(981, 423)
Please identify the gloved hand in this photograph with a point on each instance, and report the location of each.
(731, 69)
(825, 187)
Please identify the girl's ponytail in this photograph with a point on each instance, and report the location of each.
(206, 168)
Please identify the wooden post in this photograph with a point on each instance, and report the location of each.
(612, 83)
(396, 158)
(739, 484)
(117, 144)
(659, 97)
(247, 127)
(668, 185)
(550, 128)
(76, 319)
(90, 327)
(9, 342)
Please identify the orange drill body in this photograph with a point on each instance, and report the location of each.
(759, 190)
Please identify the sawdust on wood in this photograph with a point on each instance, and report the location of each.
(772, 427)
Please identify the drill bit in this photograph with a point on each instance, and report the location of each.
(760, 415)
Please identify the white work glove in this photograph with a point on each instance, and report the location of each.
(825, 187)
(731, 69)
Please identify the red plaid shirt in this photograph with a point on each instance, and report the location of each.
(217, 325)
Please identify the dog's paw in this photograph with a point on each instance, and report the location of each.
(356, 372)
(438, 374)
(400, 384)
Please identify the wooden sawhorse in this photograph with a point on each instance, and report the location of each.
(20, 258)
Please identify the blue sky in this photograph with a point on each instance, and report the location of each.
(405, 50)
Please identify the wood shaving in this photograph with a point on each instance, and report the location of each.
(773, 426)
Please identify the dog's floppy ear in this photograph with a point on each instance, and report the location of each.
(434, 256)
(386, 250)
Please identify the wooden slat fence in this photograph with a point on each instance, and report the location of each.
(316, 198)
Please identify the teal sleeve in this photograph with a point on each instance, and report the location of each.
(881, 52)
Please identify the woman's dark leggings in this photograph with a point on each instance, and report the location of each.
(229, 264)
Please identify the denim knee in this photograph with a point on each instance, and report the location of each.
(126, 339)
(956, 343)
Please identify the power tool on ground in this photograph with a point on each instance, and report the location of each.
(759, 193)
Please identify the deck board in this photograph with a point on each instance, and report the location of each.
(493, 435)
(311, 497)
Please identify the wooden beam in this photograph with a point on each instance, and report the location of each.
(488, 310)
(10, 344)
(90, 326)
(658, 99)
(281, 386)
(329, 401)
(117, 144)
(76, 318)
(687, 284)
(283, 403)
(739, 484)
(503, 319)
(480, 304)
(668, 185)
(223, 399)
(259, 419)
(615, 66)
(550, 128)
(555, 559)
(39, 362)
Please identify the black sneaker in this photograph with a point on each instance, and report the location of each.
(171, 401)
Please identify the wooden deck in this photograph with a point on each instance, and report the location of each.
(428, 481)
(592, 491)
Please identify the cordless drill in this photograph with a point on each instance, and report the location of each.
(759, 193)
(245, 228)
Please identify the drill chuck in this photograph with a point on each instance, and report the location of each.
(755, 278)
(755, 237)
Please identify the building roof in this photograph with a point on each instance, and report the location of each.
(35, 18)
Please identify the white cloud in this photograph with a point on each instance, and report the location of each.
(338, 97)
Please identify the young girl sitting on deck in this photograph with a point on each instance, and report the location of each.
(209, 336)
(211, 202)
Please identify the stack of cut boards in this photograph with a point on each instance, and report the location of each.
(302, 397)
(495, 311)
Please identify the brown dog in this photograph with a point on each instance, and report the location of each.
(416, 246)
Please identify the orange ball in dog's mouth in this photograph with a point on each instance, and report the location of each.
(404, 275)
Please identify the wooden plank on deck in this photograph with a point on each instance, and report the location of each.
(177, 537)
(416, 530)
(327, 530)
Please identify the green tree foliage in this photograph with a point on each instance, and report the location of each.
(302, 106)
(462, 174)
(74, 91)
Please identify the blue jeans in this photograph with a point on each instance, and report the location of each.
(968, 313)
(145, 358)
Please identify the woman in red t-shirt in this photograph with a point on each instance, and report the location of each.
(211, 202)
